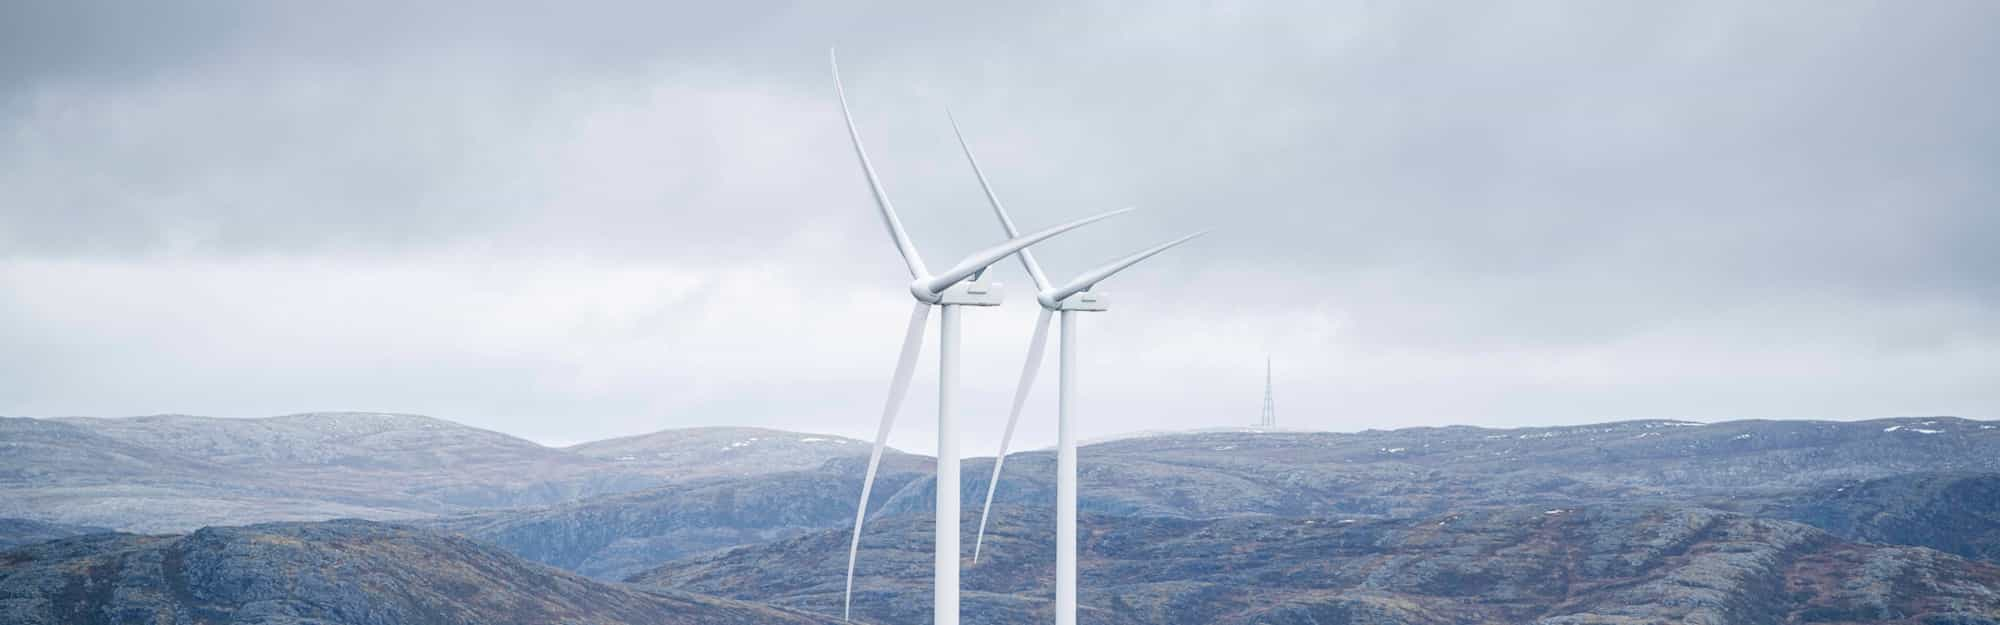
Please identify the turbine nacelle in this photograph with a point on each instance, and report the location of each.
(967, 293)
(1081, 302)
(937, 289)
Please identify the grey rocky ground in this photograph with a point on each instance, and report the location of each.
(1593, 564)
(336, 572)
(1890, 520)
(615, 536)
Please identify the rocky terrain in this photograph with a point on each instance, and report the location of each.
(338, 572)
(17, 532)
(1594, 564)
(1424, 471)
(616, 536)
(1889, 520)
(173, 473)
(1955, 513)
(721, 451)
(1744, 466)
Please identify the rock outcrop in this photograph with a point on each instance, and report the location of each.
(331, 573)
(1597, 564)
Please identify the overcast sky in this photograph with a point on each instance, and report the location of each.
(591, 220)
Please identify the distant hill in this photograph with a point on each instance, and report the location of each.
(722, 451)
(332, 573)
(44, 450)
(1422, 471)
(169, 473)
(354, 440)
(1415, 473)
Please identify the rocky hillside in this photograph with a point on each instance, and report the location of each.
(174, 472)
(333, 573)
(1401, 474)
(616, 536)
(1628, 522)
(67, 473)
(47, 451)
(1595, 564)
(1424, 471)
(17, 532)
(1952, 512)
(361, 441)
(722, 451)
(387, 461)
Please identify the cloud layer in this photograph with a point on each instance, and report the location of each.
(612, 218)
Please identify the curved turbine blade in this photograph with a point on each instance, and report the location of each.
(903, 244)
(981, 259)
(1006, 221)
(913, 342)
(1094, 276)
(1035, 345)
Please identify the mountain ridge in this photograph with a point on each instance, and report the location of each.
(167, 473)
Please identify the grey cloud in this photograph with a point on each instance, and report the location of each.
(1424, 187)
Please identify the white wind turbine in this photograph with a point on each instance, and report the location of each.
(1066, 299)
(958, 286)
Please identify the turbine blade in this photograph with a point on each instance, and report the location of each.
(1006, 221)
(903, 245)
(1094, 276)
(1028, 369)
(981, 259)
(913, 342)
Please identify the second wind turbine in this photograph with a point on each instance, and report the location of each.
(1068, 299)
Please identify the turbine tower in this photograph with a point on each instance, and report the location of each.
(958, 286)
(1270, 418)
(1067, 299)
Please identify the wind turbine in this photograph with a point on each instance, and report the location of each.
(958, 286)
(1073, 297)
